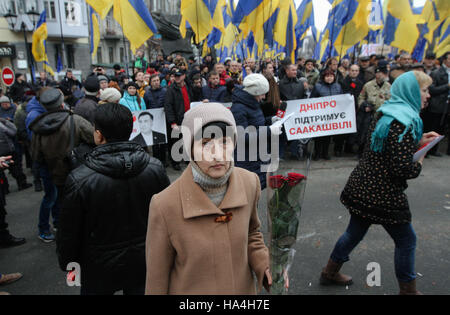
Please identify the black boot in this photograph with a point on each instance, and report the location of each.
(176, 166)
(325, 150)
(23, 186)
(37, 186)
(11, 241)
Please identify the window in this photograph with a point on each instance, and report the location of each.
(122, 54)
(24, 6)
(70, 52)
(111, 54)
(50, 10)
(99, 55)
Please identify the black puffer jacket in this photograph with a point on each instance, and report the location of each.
(103, 221)
(174, 104)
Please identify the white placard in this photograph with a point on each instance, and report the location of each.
(319, 117)
(424, 149)
(194, 104)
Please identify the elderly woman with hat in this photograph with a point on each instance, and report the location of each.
(247, 112)
(204, 232)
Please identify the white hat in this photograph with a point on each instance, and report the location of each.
(4, 99)
(110, 95)
(256, 84)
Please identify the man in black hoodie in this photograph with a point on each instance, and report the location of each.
(103, 221)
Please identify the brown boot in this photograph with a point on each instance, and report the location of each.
(4, 293)
(408, 288)
(330, 275)
(7, 279)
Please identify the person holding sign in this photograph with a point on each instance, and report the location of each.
(248, 114)
(326, 87)
(374, 193)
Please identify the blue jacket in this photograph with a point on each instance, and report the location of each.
(131, 102)
(214, 95)
(8, 113)
(155, 98)
(247, 112)
(322, 89)
(34, 109)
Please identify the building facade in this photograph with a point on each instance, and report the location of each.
(68, 34)
(112, 50)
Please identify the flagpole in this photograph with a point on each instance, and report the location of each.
(342, 43)
(125, 44)
(332, 35)
(62, 35)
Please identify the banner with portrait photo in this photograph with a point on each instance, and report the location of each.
(149, 127)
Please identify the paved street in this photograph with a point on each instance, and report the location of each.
(323, 220)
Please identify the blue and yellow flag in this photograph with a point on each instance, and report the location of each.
(102, 7)
(443, 45)
(251, 15)
(202, 16)
(95, 32)
(39, 37)
(136, 21)
(284, 29)
(38, 46)
(305, 19)
(407, 32)
(355, 24)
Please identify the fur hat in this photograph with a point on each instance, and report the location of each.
(256, 84)
(202, 115)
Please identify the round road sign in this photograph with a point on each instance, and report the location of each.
(8, 76)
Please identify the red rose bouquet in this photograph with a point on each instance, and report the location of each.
(285, 195)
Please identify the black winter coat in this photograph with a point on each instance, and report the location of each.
(17, 91)
(174, 104)
(86, 108)
(439, 92)
(103, 221)
(155, 98)
(353, 87)
(247, 112)
(291, 89)
(375, 189)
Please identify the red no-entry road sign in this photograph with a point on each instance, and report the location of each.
(8, 76)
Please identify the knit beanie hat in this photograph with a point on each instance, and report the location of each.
(110, 95)
(4, 99)
(92, 84)
(256, 84)
(200, 116)
(102, 78)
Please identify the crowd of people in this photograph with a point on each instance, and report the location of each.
(75, 138)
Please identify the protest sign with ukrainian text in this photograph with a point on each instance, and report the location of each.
(319, 117)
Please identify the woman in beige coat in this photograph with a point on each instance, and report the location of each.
(204, 232)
